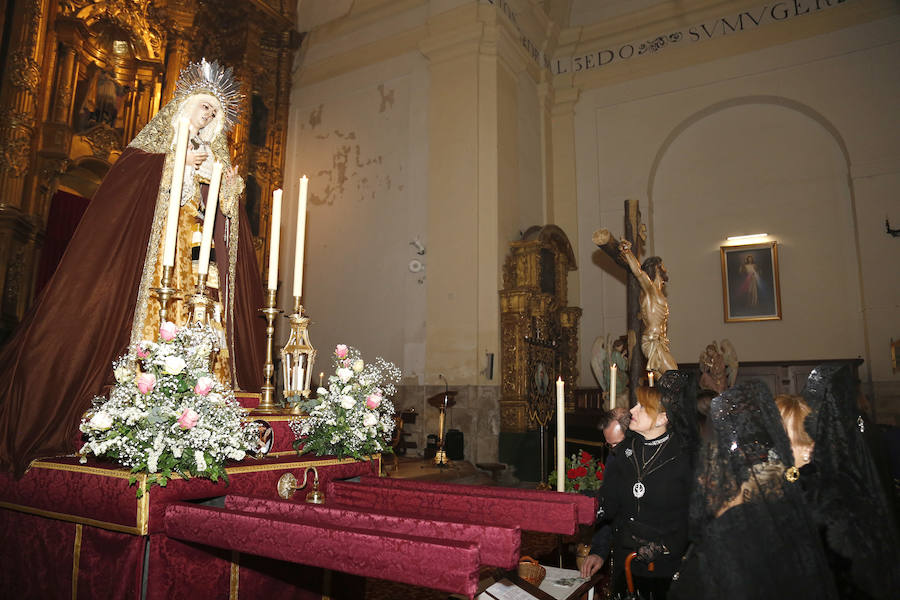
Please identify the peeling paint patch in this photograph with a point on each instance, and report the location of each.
(315, 117)
(387, 99)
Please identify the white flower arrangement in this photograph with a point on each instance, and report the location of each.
(353, 415)
(166, 413)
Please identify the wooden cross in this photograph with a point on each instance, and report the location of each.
(610, 245)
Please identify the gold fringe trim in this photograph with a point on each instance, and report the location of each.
(76, 559)
(234, 583)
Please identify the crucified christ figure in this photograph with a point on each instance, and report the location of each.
(652, 277)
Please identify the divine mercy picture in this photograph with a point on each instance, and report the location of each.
(750, 286)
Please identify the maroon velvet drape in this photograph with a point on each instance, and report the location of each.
(249, 328)
(66, 211)
(61, 353)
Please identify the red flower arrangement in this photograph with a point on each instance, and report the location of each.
(583, 472)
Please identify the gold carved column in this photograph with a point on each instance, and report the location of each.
(539, 340)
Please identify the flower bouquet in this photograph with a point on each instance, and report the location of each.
(583, 473)
(353, 415)
(166, 413)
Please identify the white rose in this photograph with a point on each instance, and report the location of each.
(369, 420)
(344, 374)
(124, 374)
(200, 460)
(173, 365)
(101, 421)
(347, 402)
(358, 365)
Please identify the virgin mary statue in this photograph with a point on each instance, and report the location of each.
(100, 299)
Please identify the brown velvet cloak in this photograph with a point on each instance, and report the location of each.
(61, 354)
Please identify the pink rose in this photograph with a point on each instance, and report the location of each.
(204, 385)
(188, 419)
(145, 382)
(142, 352)
(168, 330)
(341, 351)
(373, 401)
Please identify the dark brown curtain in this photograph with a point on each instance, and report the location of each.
(66, 211)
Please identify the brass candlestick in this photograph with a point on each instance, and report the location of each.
(268, 390)
(298, 357)
(164, 292)
(200, 302)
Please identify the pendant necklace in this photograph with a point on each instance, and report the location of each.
(639, 489)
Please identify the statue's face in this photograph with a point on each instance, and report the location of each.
(204, 111)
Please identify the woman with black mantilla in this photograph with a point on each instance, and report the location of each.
(645, 497)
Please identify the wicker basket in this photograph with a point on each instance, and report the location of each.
(531, 571)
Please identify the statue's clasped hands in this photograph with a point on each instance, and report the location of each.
(195, 158)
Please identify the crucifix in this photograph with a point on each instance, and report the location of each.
(646, 304)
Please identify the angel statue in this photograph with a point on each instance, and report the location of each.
(99, 301)
(729, 354)
(712, 369)
(604, 354)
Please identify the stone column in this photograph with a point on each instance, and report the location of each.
(562, 207)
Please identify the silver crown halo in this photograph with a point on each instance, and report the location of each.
(215, 80)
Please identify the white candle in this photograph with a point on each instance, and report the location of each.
(321, 378)
(612, 385)
(181, 138)
(209, 218)
(276, 239)
(650, 377)
(560, 435)
(301, 238)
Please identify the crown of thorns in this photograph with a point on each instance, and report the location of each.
(213, 79)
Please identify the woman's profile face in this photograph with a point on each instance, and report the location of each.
(204, 111)
(641, 421)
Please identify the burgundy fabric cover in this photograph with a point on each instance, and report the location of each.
(61, 353)
(180, 569)
(586, 506)
(37, 555)
(99, 490)
(90, 494)
(499, 546)
(105, 552)
(533, 515)
(440, 564)
(65, 213)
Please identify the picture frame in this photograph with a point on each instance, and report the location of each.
(750, 287)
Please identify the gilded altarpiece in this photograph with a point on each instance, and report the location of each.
(82, 77)
(539, 342)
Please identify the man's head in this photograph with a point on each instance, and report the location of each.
(614, 425)
(653, 266)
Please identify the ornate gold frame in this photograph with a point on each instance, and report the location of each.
(768, 251)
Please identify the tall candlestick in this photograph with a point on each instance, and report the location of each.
(209, 218)
(612, 385)
(181, 138)
(301, 238)
(650, 377)
(276, 239)
(560, 435)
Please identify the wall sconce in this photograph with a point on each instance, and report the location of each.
(488, 370)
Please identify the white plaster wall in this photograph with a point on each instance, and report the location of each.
(531, 168)
(362, 140)
(759, 142)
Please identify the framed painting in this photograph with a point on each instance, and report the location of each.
(750, 288)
